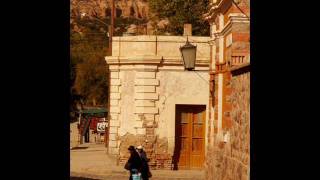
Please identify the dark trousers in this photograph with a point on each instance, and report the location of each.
(130, 177)
(144, 176)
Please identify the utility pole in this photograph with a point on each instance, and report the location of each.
(111, 28)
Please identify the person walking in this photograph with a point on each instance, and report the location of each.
(145, 171)
(134, 163)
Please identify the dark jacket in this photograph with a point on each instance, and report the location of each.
(135, 161)
(145, 166)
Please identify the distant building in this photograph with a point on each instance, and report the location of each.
(90, 127)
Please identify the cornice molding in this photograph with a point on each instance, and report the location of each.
(215, 9)
(234, 18)
(212, 42)
(112, 60)
(239, 67)
(155, 60)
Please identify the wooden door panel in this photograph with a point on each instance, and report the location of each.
(184, 136)
(184, 153)
(184, 145)
(197, 142)
(190, 136)
(184, 130)
(196, 161)
(197, 131)
(197, 145)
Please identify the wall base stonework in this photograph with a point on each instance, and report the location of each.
(227, 167)
(156, 150)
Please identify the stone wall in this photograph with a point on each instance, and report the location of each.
(228, 150)
(156, 150)
(229, 158)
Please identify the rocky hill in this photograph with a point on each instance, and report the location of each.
(134, 9)
(101, 8)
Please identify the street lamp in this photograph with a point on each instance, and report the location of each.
(188, 52)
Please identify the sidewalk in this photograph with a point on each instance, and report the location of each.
(92, 161)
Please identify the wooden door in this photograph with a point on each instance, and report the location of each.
(190, 133)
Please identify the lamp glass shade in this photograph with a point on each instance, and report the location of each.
(188, 52)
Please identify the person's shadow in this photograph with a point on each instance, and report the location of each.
(176, 156)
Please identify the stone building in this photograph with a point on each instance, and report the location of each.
(154, 102)
(228, 150)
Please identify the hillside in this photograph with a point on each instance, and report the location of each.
(132, 16)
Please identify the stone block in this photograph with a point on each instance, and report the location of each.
(114, 89)
(115, 96)
(114, 102)
(144, 103)
(229, 40)
(240, 28)
(147, 82)
(114, 67)
(150, 138)
(146, 75)
(115, 123)
(146, 96)
(148, 110)
(114, 75)
(150, 124)
(113, 144)
(115, 82)
(143, 117)
(113, 137)
(149, 131)
(141, 131)
(113, 150)
(145, 89)
(138, 124)
(114, 109)
(114, 116)
(113, 130)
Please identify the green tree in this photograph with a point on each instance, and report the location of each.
(180, 12)
(88, 48)
(88, 67)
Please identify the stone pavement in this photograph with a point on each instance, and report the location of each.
(91, 161)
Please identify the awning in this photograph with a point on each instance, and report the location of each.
(93, 112)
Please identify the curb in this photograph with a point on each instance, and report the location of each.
(100, 177)
(125, 175)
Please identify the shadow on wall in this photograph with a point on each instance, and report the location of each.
(176, 155)
(77, 148)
